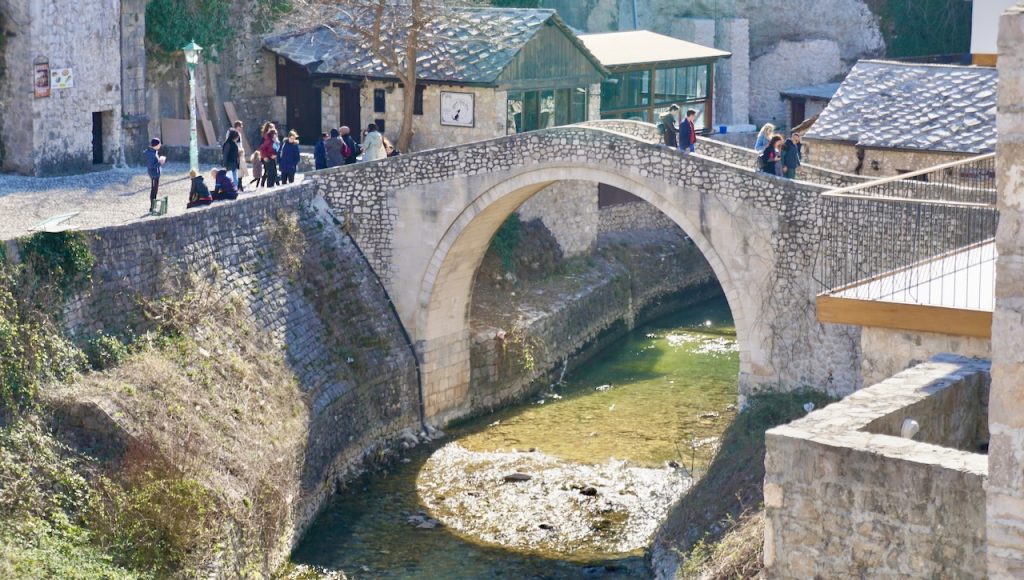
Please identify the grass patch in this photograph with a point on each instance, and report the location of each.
(725, 500)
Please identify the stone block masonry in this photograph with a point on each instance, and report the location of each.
(1006, 413)
(306, 285)
(846, 496)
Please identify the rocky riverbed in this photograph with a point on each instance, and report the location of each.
(534, 502)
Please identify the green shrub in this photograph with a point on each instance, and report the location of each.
(61, 261)
(106, 352)
(155, 522)
(506, 241)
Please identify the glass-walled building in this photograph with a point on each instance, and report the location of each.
(651, 71)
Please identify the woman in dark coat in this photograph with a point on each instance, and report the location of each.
(771, 157)
(232, 161)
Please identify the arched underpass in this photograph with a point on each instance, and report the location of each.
(426, 220)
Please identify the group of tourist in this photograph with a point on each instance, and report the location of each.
(339, 148)
(776, 154)
(679, 133)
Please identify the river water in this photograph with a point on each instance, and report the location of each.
(632, 425)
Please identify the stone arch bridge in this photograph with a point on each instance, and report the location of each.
(425, 221)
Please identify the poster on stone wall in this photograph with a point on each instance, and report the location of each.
(62, 78)
(41, 79)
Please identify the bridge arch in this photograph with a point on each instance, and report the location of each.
(425, 221)
(445, 292)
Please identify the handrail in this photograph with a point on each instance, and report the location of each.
(951, 203)
(910, 175)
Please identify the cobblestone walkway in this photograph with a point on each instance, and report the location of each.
(103, 198)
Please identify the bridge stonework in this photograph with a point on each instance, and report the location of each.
(425, 221)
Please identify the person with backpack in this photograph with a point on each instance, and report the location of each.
(688, 132)
(792, 153)
(770, 157)
(353, 147)
(668, 128)
(290, 157)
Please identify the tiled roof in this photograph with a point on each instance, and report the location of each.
(913, 106)
(477, 44)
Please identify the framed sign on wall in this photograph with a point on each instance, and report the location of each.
(457, 109)
(41, 79)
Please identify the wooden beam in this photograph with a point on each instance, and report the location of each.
(913, 317)
(984, 59)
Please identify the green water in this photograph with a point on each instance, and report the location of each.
(667, 381)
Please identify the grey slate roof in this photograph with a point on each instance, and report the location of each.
(913, 106)
(476, 46)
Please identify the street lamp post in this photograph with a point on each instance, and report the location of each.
(192, 51)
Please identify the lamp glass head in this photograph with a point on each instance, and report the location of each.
(192, 51)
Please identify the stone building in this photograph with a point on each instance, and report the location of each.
(498, 71)
(803, 103)
(72, 76)
(889, 118)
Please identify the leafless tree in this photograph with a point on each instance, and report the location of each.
(395, 32)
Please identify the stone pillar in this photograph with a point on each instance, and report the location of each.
(1005, 500)
(732, 75)
(135, 124)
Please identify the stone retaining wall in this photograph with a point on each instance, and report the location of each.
(636, 216)
(617, 296)
(846, 496)
(888, 351)
(306, 285)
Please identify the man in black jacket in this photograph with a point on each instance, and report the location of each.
(791, 153)
(669, 129)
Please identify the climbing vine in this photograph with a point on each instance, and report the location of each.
(212, 24)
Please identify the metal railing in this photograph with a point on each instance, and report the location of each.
(913, 241)
(970, 180)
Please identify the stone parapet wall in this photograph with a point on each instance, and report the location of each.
(744, 157)
(302, 282)
(845, 495)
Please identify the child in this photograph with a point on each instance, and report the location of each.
(224, 187)
(257, 168)
(199, 195)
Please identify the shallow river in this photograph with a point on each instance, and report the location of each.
(662, 394)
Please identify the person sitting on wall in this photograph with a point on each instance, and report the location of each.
(223, 187)
(199, 195)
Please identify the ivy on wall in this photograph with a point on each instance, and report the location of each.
(212, 24)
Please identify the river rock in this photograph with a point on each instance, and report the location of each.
(514, 477)
(589, 491)
(709, 415)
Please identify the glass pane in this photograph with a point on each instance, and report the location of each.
(530, 111)
(626, 90)
(563, 100)
(515, 113)
(578, 112)
(547, 110)
(677, 85)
